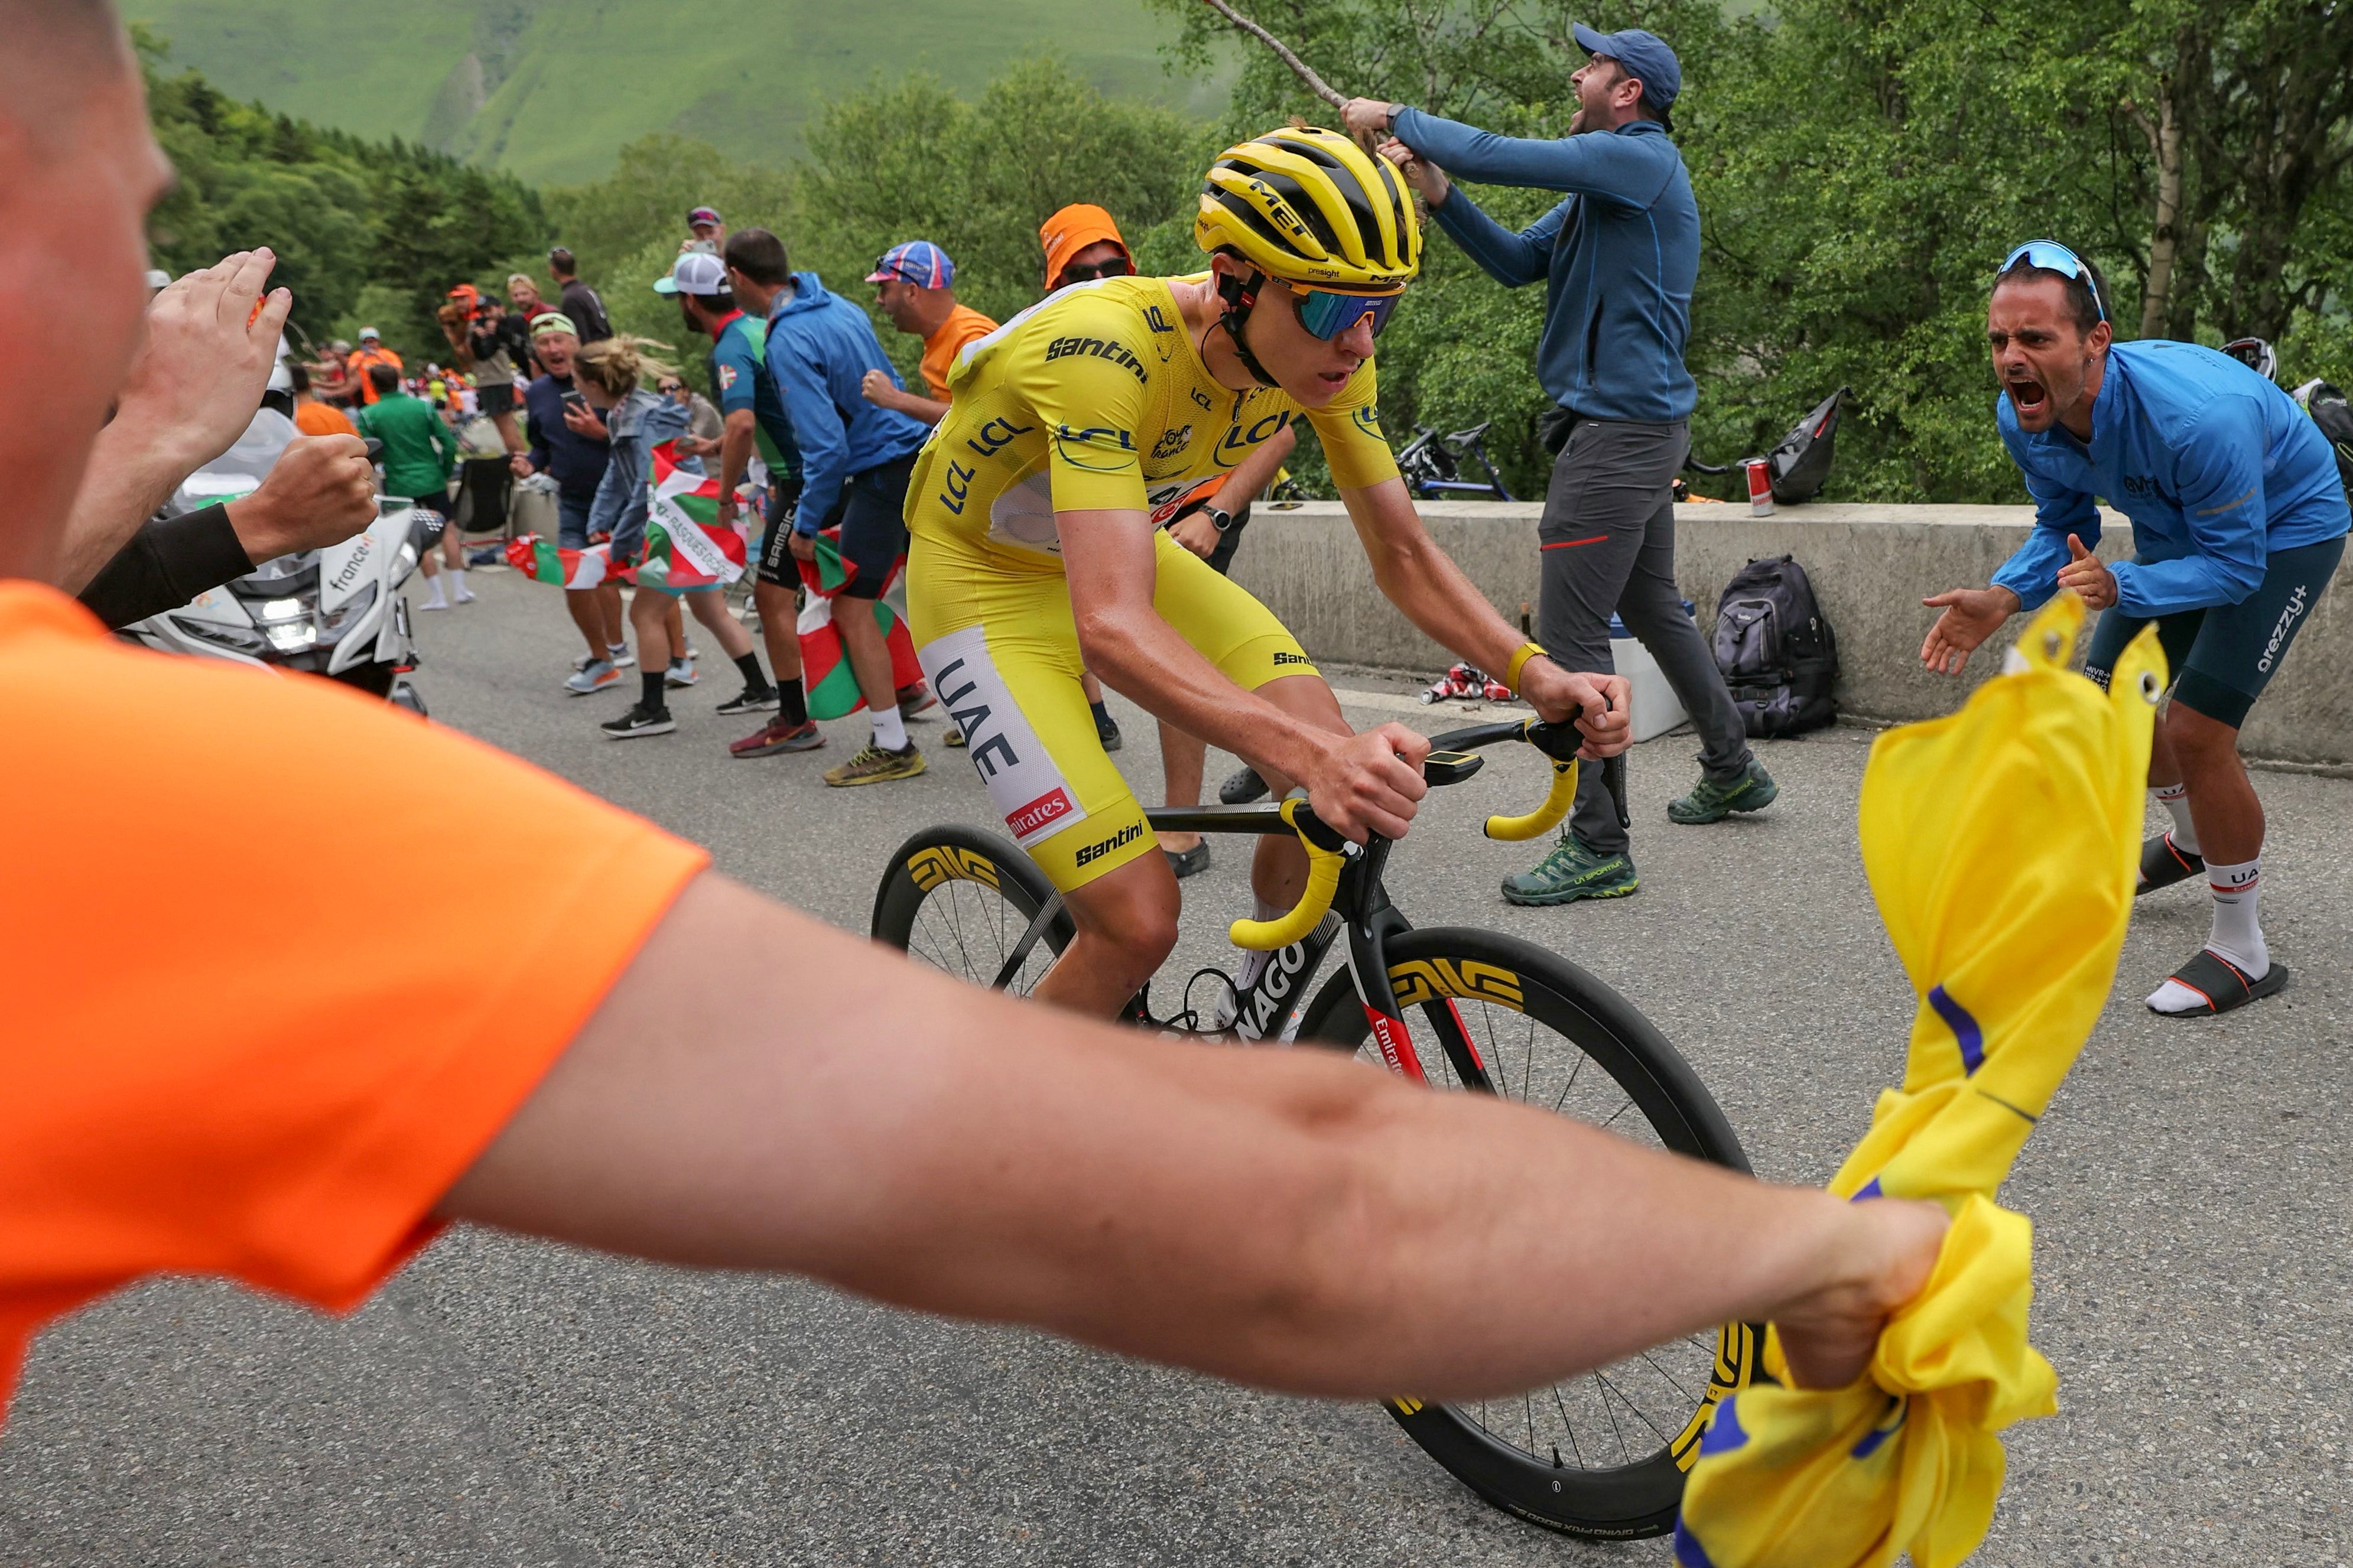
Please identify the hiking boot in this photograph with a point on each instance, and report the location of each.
(1714, 799)
(1573, 871)
(872, 765)
(639, 721)
(955, 735)
(778, 735)
(914, 700)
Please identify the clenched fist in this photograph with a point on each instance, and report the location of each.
(320, 491)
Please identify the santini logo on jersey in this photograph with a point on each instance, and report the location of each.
(1126, 836)
(1102, 348)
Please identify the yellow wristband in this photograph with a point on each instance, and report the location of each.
(1528, 651)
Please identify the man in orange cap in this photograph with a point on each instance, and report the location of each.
(1083, 243)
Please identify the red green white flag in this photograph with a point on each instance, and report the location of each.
(832, 689)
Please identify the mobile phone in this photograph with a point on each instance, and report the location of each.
(574, 400)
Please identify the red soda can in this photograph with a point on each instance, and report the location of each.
(1760, 486)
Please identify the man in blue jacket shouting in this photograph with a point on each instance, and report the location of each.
(2238, 517)
(856, 458)
(1619, 258)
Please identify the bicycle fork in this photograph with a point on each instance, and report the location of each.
(1372, 921)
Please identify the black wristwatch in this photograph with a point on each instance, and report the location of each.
(1216, 515)
(1395, 110)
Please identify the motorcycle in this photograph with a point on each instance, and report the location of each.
(336, 611)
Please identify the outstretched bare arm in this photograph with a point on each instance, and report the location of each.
(1280, 1219)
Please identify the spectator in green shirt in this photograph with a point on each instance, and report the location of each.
(420, 453)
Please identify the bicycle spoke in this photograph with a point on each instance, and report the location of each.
(1570, 1427)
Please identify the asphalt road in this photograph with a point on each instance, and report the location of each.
(504, 1403)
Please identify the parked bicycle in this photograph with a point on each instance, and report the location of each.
(1601, 1456)
(1433, 466)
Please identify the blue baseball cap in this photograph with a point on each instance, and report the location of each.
(1644, 56)
(919, 262)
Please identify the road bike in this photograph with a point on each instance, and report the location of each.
(1601, 1456)
(1433, 466)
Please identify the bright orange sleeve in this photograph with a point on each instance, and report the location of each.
(263, 1010)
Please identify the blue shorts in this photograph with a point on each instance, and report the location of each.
(571, 519)
(2223, 657)
(873, 513)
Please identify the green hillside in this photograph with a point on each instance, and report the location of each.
(549, 89)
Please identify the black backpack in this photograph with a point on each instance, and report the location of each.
(1802, 462)
(1776, 652)
(2330, 411)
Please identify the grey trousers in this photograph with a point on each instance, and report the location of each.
(1608, 542)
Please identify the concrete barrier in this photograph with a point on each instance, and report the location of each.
(1870, 566)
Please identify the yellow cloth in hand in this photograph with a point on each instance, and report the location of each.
(2002, 845)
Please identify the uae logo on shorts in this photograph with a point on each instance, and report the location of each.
(1051, 806)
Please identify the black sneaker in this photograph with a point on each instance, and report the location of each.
(752, 700)
(1241, 788)
(1107, 731)
(639, 721)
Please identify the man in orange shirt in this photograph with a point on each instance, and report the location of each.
(311, 416)
(370, 352)
(914, 285)
(282, 1105)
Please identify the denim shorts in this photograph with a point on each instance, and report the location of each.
(571, 519)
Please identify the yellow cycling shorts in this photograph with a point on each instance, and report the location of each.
(1002, 651)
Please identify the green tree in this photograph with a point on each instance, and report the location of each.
(911, 161)
(352, 222)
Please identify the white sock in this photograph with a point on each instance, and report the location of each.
(1253, 963)
(2175, 799)
(434, 599)
(459, 572)
(2236, 935)
(890, 730)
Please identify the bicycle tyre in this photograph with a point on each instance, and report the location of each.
(959, 897)
(1433, 969)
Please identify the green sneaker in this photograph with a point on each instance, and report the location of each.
(872, 765)
(1712, 799)
(1573, 870)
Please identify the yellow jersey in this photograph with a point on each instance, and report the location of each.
(1096, 398)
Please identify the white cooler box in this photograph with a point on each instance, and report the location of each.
(1657, 709)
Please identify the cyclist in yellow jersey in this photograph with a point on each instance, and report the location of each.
(1036, 554)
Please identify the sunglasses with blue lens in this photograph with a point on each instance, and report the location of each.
(1326, 315)
(2054, 256)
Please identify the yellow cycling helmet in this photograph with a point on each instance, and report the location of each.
(1312, 207)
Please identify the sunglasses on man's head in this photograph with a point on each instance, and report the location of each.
(1117, 266)
(1326, 315)
(2052, 257)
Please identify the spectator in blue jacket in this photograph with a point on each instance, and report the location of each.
(1619, 258)
(570, 445)
(2238, 517)
(856, 459)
